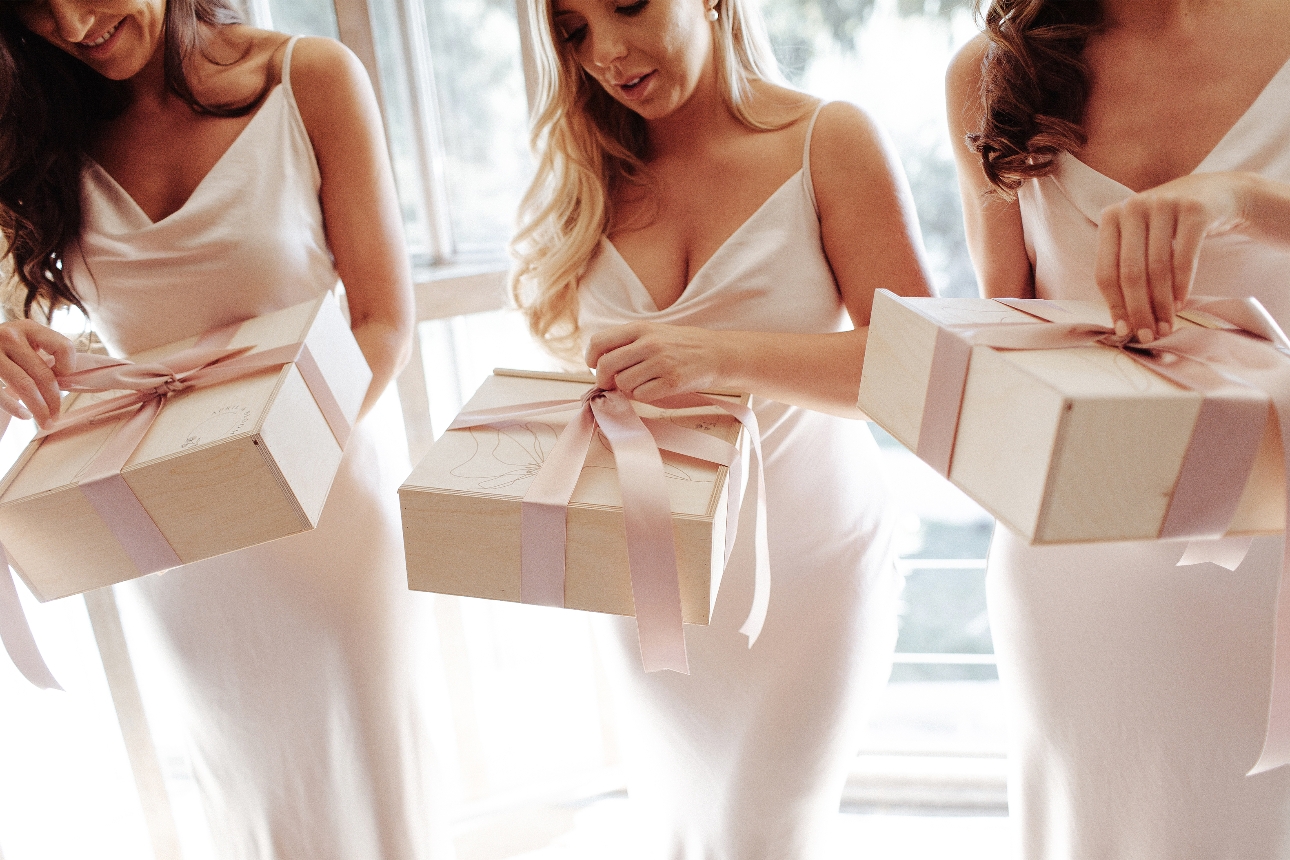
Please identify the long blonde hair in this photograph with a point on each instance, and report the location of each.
(588, 145)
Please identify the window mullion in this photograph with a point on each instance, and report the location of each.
(428, 135)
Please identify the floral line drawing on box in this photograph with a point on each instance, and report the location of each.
(504, 457)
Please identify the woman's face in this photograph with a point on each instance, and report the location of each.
(115, 38)
(648, 54)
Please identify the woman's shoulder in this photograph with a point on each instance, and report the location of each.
(843, 133)
(963, 75)
(318, 64)
(328, 82)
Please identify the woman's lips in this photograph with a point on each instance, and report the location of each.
(101, 44)
(636, 86)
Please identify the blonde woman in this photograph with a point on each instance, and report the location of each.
(696, 224)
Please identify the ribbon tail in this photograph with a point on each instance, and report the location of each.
(756, 620)
(16, 633)
(544, 514)
(1224, 552)
(651, 548)
(1276, 742)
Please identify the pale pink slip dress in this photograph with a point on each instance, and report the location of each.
(292, 661)
(1137, 690)
(745, 758)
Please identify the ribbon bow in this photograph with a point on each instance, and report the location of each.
(1238, 360)
(635, 443)
(148, 387)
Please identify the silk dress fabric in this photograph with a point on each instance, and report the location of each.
(1137, 691)
(291, 661)
(746, 756)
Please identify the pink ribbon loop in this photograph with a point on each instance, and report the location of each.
(635, 443)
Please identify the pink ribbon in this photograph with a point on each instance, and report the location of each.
(207, 363)
(1248, 351)
(651, 552)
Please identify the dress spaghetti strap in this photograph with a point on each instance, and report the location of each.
(806, 158)
(286, 71)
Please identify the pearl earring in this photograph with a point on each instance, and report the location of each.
(712, 12)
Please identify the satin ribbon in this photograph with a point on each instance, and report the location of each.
(1246, 351)
(207, 363)
(651, 552)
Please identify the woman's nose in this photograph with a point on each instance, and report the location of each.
(607, 47)
(72, 19)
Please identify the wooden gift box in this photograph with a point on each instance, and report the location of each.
(222, 468)
(461, 504)
(1062, 445)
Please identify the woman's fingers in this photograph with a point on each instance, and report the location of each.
(1161, 226)
(1107, 269)
(13, 406)
(1134, 284)
(19, 385)
(1149, 246)
(27, 374)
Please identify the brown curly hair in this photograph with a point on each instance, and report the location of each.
(1034, 85)
(50, 108)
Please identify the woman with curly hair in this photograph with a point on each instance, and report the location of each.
(695, 224)
(170, 170)
(1136, 151)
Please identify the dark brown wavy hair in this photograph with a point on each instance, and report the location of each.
(51, 105)
(1034, 85)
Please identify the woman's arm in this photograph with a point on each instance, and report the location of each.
(360, 206)
(995, 238)
(870, 235)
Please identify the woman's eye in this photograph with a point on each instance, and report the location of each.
(632, 8)
(573, 35)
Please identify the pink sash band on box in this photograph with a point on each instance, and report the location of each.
(1237, 366)
(209, 362)
(635, 443)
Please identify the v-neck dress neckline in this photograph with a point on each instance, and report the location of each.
(612, 251)
(245, 134)
(1096, 190)
(248, 240)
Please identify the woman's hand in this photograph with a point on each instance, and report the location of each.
(1149, 245)
(27, 380)
(650, 361)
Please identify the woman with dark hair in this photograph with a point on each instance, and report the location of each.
(171, 170)
(1136, 151)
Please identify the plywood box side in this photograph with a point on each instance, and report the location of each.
(1115, 468)
(461, 545)
(471, 547)
(300, 445)
(216, 499)
(597, 578)
(897, 367)
(339, 358)
(1007, 430)
(61, 546)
